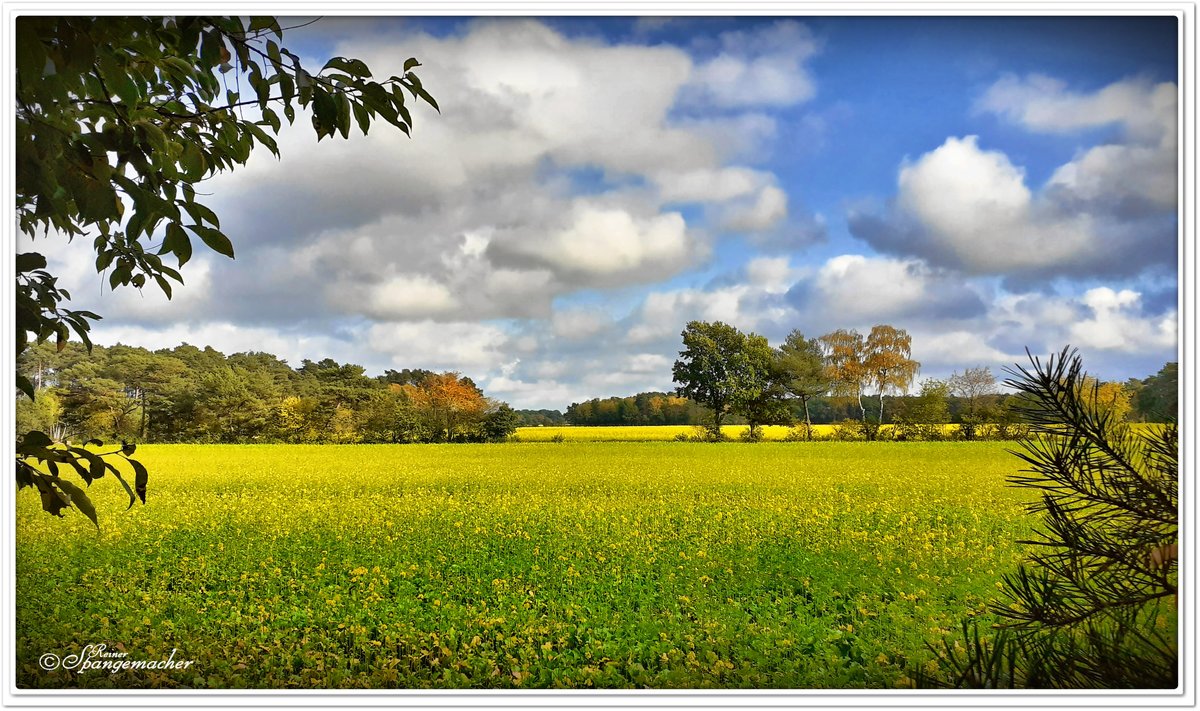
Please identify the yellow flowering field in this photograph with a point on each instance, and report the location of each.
(536, 565)
(664, 433)
(645, 433)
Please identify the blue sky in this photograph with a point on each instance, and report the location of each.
(987, 183)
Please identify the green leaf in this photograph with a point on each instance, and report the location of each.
(128, 448)
(33, 441)
(117, 80)
(261, 22)
(273, 54)
(353, 67)
(78, 499)
(343, 115)
(193, 162)
(155, 137)
(140, 477)
(410, 63)
(201, 214)
(178, 243)
(324, 111)
(25, 386)
(272, 119)
(25, 474)
(53, 500)
(29, 261)
(362, 117)
(95, 463)
(262, 137)
(215, 239)
(125, 484)
(31, 54)
(163, 284)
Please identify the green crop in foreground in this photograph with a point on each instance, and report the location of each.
(533, 565)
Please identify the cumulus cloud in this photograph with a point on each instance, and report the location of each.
(856, 290)
(1146, 112)
(1117, 323)
(604, 245)
(1110, 211)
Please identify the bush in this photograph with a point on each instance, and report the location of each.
(850, 431)
(751, 435)
(801, 433)
(905, 431)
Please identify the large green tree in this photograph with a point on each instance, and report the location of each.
(715, 369)
(117, 121)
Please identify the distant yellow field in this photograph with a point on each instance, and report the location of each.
(663, 433)
(646, 433)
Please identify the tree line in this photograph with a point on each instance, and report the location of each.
(735, 374)
(189, 394)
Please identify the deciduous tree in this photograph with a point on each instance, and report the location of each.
(714, 369)
(845, 353)
(887, 361)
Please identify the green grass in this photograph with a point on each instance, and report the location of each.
(534, 565)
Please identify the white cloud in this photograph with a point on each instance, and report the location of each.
(580, 324)
(409, 297)
(773, 275)
(763, 67)
(1110, 211)
(1141, 167)
(853, 289)
(463, 346)
(979, 213)
(702, 185)
(767, 209)
(478, 215)
(1043, 103)
(957, 350)
(606, 245)
(1116, 323)
(292, 346)
(663, 315)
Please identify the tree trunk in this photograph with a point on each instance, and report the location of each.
(881, 406)
(807, 421)
(862, 408)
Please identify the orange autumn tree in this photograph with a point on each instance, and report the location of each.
(844, 352)
(447, 405)
(888, 362)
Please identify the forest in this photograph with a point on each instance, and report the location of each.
(189, 394)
